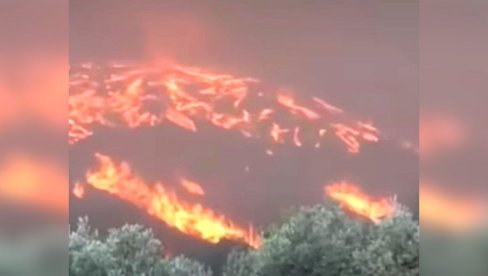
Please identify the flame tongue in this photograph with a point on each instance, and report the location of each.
(356, 201)
(158, 201)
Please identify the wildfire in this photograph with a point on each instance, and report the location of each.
(131, 96)
(190, 218)
(355, 200)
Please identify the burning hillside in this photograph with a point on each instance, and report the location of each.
(130, 96)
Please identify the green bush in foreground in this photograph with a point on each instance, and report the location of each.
(323, 240)
(315, 241)
(127, 251)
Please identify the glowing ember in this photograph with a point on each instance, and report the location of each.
(355, 200)
(79, 190)
(352, 136)
(277, 133)
(192, 187)
(296, 138)
(289, 103)
(180, 120)
(124, 96)
(165, 205)
(328, 107)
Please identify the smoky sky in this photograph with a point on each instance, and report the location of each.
(453, 81)
(359, 55)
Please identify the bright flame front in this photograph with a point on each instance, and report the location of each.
(355, 200)
(190, 218)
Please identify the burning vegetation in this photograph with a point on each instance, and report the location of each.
(132, 96)
(119, 95)
(164, 204)
(355, 200)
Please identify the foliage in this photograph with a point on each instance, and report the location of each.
(127, 251)
(323, 240)
(182, 266)
(315, 241)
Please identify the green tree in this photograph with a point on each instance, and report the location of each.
(183, 266)
(134, 250)
(314, 241)
(87, 254)
(240, 263)
(323, 240)
(130, 250)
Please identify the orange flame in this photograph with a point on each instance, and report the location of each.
(180, 120)
(356, 201)
(192, 187)
(277, 133)
(85, 109)
(120, 95)
(158, 201)
(352, 136)
(289, 102)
